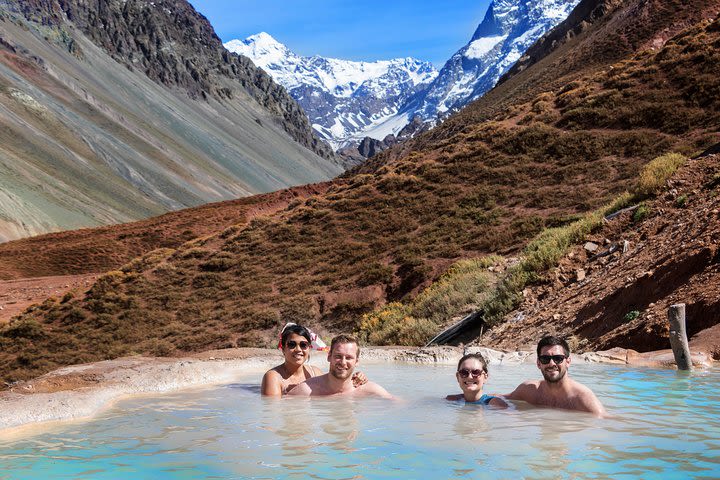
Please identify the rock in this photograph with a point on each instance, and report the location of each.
(495, 357)
(591, 247)
(369, 147)
(580, 275)
(614, 355)
(556, 316)
(625, 246)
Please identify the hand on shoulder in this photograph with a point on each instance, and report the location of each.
(301, 389)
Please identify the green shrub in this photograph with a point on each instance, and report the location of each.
(393, 325)
(655, 174)
(23, 328)
(681, 201)
(631, 315)
(641, 213)
(456, 293)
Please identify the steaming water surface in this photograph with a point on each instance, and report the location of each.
(666, 425)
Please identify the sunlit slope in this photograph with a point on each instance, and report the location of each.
(86, 141)
(486, 181)
(99, 249)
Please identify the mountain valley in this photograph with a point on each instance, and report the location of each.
(470, 217)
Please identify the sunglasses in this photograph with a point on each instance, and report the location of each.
(291, 344)
(464, 373)
(545, 359)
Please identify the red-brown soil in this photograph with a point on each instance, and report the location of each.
(673, 257)
(97, 250)
(17, 295)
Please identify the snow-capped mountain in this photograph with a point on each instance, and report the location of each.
(344, 100)
(347, 101)
(506, 32)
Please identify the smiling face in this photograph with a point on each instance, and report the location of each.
(472, 383)
(296, 355)
(553, 372)
(343, 358)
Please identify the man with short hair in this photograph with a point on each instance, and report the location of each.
(557, 389)
(343, 357)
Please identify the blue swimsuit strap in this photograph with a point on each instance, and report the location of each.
(484, 400)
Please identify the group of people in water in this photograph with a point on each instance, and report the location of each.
(295, 377)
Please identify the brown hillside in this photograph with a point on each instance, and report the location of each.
(673, 256)
(483, 182)
(97, 250)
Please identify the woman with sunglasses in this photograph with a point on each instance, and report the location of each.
(295, 343)
(471, 375)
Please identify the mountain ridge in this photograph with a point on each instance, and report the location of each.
(344, 99)
(89, 141)
(508, 28)
(183, 52)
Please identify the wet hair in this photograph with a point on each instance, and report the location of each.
(343, 338)
(477, 357)
(551, 341)
(296, 329)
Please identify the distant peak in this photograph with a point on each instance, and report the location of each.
(262, 37)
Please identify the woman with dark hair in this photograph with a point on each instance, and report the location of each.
(295, 343)
(471, 375)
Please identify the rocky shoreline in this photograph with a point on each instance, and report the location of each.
(79, 391)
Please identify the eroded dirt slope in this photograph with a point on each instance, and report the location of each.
(621, 298)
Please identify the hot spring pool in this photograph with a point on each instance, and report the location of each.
(666, 426)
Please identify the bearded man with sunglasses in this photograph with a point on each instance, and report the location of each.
(557, 389)
(344, 356)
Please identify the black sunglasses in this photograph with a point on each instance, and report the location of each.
(464, 372)
(291, 344)
(545, 359)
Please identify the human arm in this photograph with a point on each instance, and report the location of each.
(498, 402)
(588, 402)
(525, 392)
(271, 384)
(372, 388)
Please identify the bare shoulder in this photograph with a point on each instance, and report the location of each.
(585, 399)
(316, 371)
(526, 391)
(372, 388)
(272, 383)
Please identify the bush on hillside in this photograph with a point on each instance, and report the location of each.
(393, 325)
(459, 290)
(655, 174)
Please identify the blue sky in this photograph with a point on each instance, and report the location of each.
(352, 29)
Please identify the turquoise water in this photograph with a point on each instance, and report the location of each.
(666, 425)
